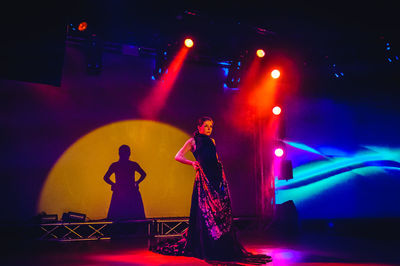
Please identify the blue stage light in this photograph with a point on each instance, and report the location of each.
(226, 71)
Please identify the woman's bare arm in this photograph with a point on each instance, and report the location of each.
(180, 156)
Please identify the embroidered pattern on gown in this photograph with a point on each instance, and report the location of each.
(215, 204)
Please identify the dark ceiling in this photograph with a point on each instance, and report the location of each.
(352, 34)
(347, 32)
(288, 20)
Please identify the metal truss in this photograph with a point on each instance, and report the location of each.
(156, 228)
(170, 227)
(75, 231)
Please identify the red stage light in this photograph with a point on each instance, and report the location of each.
(260, 53)
(189, 43)
(279, 152)
(275, 74)
(82, 26)
(276, 110)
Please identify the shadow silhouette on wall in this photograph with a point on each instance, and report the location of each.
(126, 201)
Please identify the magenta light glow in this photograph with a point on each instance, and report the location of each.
(279, 152)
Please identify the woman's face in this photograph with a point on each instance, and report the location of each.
(206, 128)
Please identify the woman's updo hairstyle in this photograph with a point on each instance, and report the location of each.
(200, 122)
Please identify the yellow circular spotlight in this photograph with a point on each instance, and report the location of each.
(276, 110)
(189, 43)
(275, 74)
(260, 53)
(75, 182)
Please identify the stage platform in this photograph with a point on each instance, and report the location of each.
(305, 249)
(129, 245)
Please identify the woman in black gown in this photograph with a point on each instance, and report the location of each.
(210, 235)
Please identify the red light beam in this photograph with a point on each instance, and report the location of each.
(155, 101)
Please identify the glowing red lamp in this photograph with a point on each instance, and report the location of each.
(189, 43)
(260, 53)
(275, 74)
(82, 26)
(276, 110)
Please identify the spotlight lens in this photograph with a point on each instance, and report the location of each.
(279, 152)
(260, 53)
(82, 26)
(189, 43)
(275, 73)
(276, 110)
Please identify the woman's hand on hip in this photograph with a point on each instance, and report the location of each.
(196, 165)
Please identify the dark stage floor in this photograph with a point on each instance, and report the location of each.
(305, 249)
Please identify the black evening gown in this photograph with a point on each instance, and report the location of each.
(210, 235)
